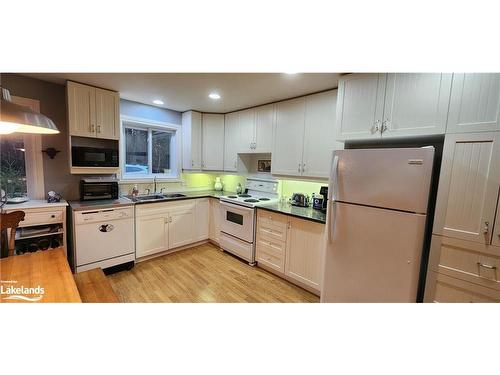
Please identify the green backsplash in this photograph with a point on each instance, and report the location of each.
(288, 187)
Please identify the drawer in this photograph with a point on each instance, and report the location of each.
(450, 289)
(42, 217)
(463, 260)
(272, 226)
(271, 254)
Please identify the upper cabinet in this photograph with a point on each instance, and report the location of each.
(416, 104)
(93, 112)
(304, 135)
(360, 106)
(212, 142)
(289, 137)
(468, 186)
(264, 124)
(231, 141)
(246, 123)
(397, 105)
(475, 103)
(191, 140)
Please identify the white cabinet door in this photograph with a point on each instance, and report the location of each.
(191, 140)
(288, 137)
(107, 114)
(468, 186)
(212, 142)
(151, 234)
(416, 104)
(320, 132)
(360, 106)
(202, 218)
(231, 141)
(475, 103)
(181, 226)
(81, 110)
(496, 230)
(247, 128)
(215, 220)
(264, 125)
(304, 252)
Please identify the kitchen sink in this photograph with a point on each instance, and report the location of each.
(174, 195)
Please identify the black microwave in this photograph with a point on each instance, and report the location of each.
(94, 157)
(93, 189)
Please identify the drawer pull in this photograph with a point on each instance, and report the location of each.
(486, 227)
(52, 216)
(486, 266)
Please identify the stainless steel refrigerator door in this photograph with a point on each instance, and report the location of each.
(372, 254)
(397, 178)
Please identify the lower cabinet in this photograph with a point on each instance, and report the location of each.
(214, 220)
(291, 247)
(462, 271)
(164, 226)
(202, 217)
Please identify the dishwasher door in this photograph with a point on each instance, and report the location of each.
(103, 234)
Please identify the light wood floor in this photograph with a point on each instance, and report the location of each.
(203, 274)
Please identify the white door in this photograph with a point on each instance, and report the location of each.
(304, 252)
(202, 219)
(288, 137)
(151, 234)
(231, 141)
(212, 142)
(468, 186)
(247, 128)
(81, 110)
(320, 132)
(107, 114)
(397, 178)
(181, 225)
(360, 106)
(416, 104)
(191, 140)
(475, 103)
(264, 125)
(372, 254)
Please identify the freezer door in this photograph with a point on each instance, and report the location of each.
(397, 178)
(372, 254)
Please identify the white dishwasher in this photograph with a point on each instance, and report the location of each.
(104, 238)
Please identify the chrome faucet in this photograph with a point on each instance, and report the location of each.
(161, 190)
(154, 181)
(148, 190)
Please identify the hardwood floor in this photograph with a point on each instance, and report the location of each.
(203, 274)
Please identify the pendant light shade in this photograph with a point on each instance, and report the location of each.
(21, 119)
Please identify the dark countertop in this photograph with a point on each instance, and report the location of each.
(123, 201)
(286, 208)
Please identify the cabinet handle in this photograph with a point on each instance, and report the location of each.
(384, 126)
(98, 128)
(479, 264)
(486, 228)
(289, 225)
(192, 163)
(92, 128)
(299, 168)
(376, 126)
(303, 168)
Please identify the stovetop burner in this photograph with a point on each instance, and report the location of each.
(251, 200)
(244, 195)
(264, 199)
(232, 196)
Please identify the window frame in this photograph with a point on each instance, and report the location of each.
(150, 125)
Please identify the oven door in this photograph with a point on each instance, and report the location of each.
(238, 221)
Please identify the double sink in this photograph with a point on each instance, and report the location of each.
(154, 197)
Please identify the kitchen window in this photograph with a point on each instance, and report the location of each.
(149, 149)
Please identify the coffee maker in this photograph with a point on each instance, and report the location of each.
(324, 192)
(319, 201)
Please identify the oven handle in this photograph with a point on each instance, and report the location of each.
(236, 206)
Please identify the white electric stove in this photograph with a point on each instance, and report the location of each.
(238, 217)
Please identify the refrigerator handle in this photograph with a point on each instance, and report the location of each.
(332, 188)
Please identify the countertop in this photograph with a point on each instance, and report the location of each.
(33, 203)
(286, 208)
(46, 269)
(123, 201)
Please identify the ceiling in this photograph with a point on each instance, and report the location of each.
(185, 91)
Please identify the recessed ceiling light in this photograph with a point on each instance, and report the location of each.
(214, 96)
(290, 73)
(158, 102)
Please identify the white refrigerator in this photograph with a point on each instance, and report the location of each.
(376, 218)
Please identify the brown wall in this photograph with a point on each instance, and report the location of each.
(52, 99)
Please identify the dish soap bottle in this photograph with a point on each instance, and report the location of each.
(218, 184)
